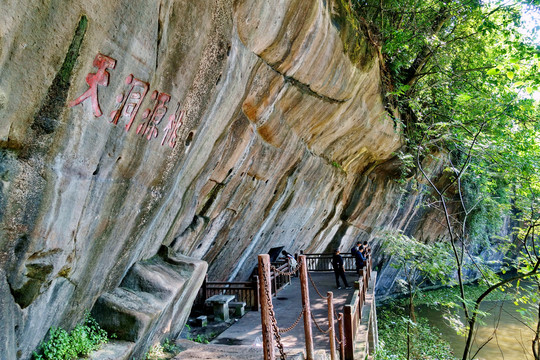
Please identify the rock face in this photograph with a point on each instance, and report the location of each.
(211, 129)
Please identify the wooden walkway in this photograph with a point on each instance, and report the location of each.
(287, 307)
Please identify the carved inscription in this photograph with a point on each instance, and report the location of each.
(171, 131)
(152, 118)
(129, 102)
(101, 77)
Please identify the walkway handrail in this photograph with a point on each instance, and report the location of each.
(246, 291)
(280, 278)
(323, 262)
(353, 313)
(349, 322)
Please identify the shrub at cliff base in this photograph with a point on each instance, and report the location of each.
(81, 341)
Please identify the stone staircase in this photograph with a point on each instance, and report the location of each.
(152, 302)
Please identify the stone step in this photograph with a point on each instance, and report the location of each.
(192, 350)
(113, 350)
(129, 310)
(126, 313)
(153, 301)
(154, 276)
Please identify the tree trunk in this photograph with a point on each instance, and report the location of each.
(536, 340)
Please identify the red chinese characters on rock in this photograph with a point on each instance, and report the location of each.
(129, 101)
(101, 77)
(152, 118)
(128, 104)
(171, 131)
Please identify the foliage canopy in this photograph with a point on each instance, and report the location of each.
(462, 78)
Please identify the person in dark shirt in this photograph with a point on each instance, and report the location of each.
(367, 249)
(356, 251)
(339, 271)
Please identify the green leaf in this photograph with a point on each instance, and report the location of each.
(510, 75)
(463, 98)
(529, 90)
(492, 71)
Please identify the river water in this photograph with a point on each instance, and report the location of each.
(511, 338)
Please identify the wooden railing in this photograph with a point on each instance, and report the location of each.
(323, 262)
(278, 280)
(246, 291)
(353, 315)
(352, 311)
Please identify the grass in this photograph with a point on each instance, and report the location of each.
(161, 351)
(200, 338)
(426, 342)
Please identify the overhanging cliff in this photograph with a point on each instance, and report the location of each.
(216, 128)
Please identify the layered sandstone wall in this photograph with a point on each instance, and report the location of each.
(240, 126)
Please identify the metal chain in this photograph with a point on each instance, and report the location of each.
(317, 325)
(294, 324)
(337, 339)
(317, 290)
(337, 332)
(275, 327)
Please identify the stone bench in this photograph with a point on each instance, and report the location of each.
(220, 305)
(202, 321)
(238, 307)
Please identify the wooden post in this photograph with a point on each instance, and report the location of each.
(307, 310)
(348, 329)
(256, 292)
(341, 337)
(363, 287)
(265, 298)
(361, 300)
(368, 267)
(366, 278)
(204, 287)
(331, 330)
(275, 283)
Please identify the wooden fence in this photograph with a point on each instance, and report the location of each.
(246, 291)
(278, 279)
(323, 262)
(356, 324)
(352, 315)
(352, 311)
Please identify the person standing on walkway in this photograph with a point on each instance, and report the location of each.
(293, 264)
(367, 249)
(356, 251)
(339, 271)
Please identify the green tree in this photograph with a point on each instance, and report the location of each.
(419, 263)
(461, 77)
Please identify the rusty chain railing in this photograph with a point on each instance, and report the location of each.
(347, 322)
(275, 328)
